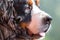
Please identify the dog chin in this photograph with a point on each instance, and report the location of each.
(42, 34)
(39, 36)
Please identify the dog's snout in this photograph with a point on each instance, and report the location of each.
(47, 19)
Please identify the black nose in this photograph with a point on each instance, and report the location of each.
(48, 19)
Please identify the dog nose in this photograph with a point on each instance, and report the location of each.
(47, 19)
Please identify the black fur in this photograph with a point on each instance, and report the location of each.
(10, 17)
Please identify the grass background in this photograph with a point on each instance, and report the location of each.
(52, 7)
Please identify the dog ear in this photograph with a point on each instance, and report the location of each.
(37, 2)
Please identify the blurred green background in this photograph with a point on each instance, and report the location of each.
(52, 7)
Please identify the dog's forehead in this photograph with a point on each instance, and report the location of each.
(30, 1)
(23, 0)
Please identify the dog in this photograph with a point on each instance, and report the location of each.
(23, 20)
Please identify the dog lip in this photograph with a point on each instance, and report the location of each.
(47, 27)
(42, 34)
(39, 35)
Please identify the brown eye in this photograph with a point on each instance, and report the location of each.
(37, 2)
(30, 2)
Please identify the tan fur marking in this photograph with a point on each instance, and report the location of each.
(30, 2)
(23, 25)
(37, 2)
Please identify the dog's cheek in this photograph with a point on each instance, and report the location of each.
(23, 25)
(34, 25)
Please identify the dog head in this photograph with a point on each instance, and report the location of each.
(35, 20)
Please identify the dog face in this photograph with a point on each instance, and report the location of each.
(35, 20)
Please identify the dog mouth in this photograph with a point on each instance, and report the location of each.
(39, 35)
(42, 33)
(44, 28)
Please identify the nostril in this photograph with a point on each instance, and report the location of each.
(47, 20)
